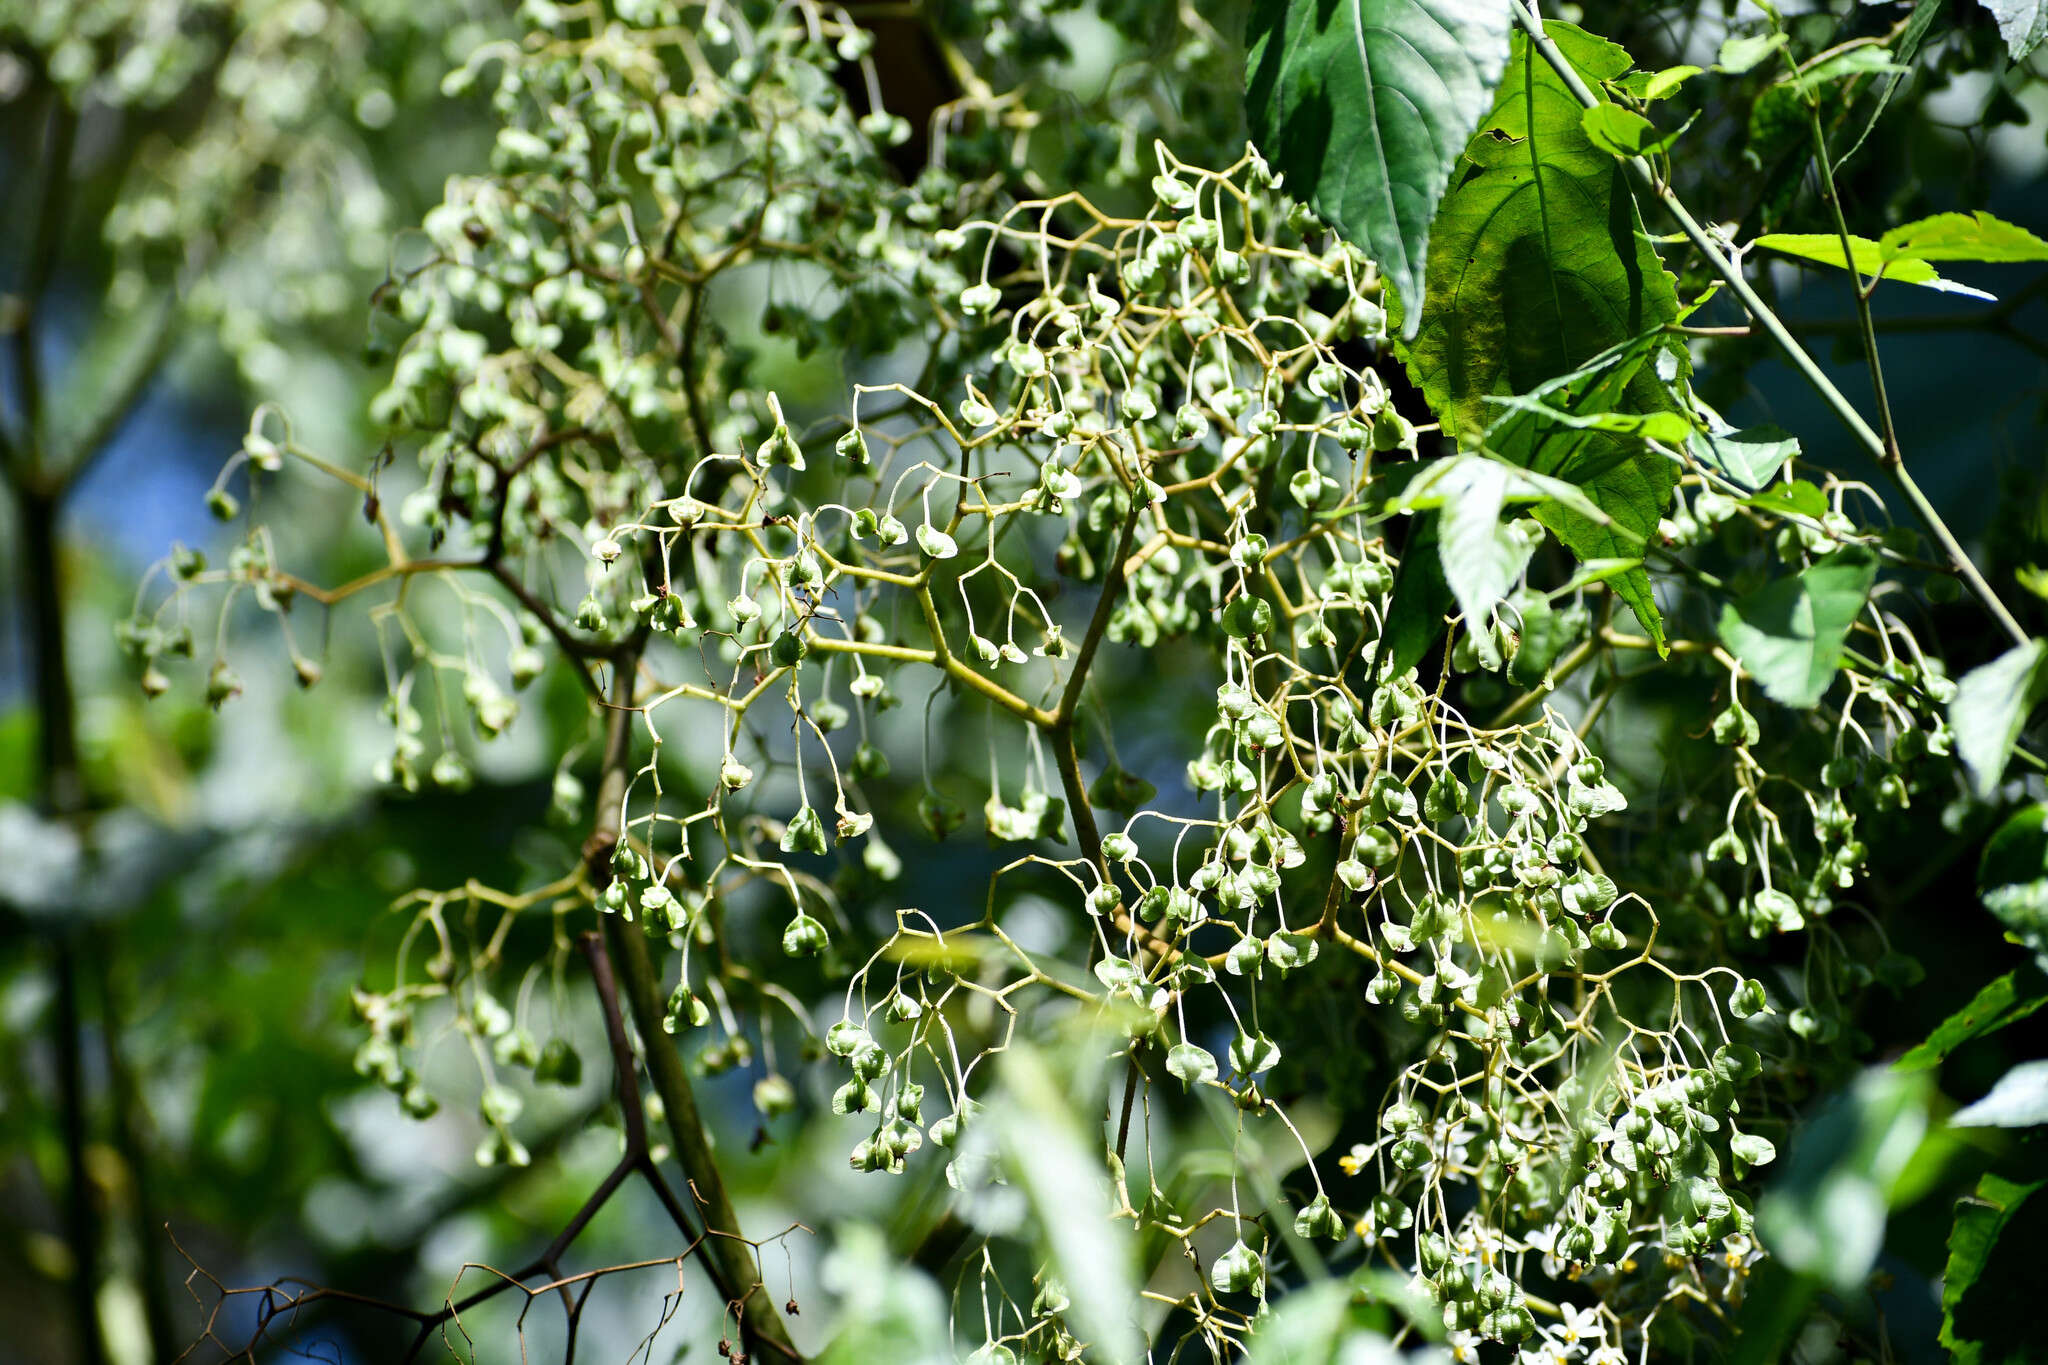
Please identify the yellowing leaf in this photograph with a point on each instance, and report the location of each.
(1962, 237)
(1825, 248)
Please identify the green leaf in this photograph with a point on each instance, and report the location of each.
(1868, 60)
(1649, 86)
(1539, 264)
(1989, 1312)
(1751, 1150)
(2022, 23)
(1795, 499)
(1288, 951)
(1618, 131)
(1739, 55)
(1917, 24)
(2019, 1099)
(1251, 1053)
(1962, 237)
(2007, 1000)
(1362, 104)
(2012, 877)
(1481, 557)
(1672, 428)
(1594, 571)
(1438, 485)
(1990, 708)
(1825, 248)
(1539, 270)
(1789, 634)
(1752, 457)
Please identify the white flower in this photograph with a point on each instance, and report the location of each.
(1580, 1325)
(1480, 1240)
(1544, 1240)
(1607, 1354)
(1464, 1347)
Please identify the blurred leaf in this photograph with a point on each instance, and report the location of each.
(889, 1310)
(1739, 55)
(2022, 23)
(2018, 1100)
(1789, 635)
(2013, 877)
(1824, 1216)
(1342, 1322)
(1063, 1176)
(1990, 709)
(1867, 60)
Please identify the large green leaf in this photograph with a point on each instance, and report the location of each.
(2007, 1000)
(1990, 708)
(1363, 104)
(1989, 1295)
(1539, 267)
(1789, 634)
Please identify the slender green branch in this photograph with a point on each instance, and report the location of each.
(1867, 332)
(1731, 274)
(737, 1275)
(1112, 587)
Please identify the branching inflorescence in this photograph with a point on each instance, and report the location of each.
(1161, 441)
